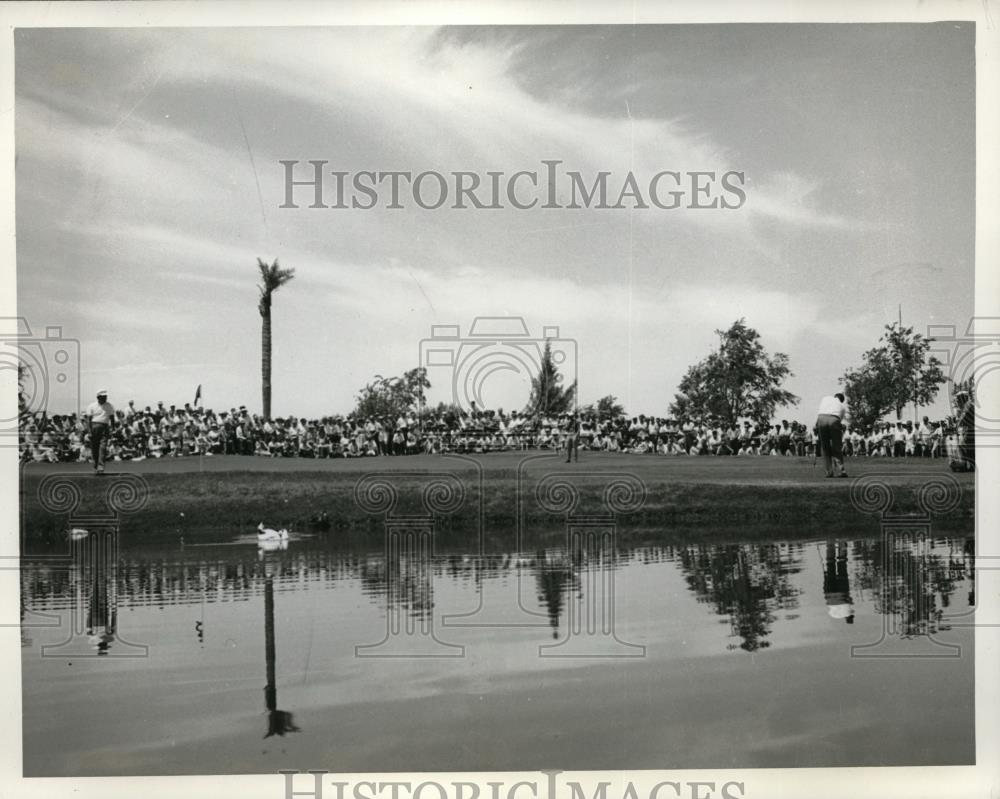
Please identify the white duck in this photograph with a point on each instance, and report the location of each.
(266, 535)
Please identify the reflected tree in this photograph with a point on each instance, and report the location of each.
(746, 582)
(554, 578)
(908, 579)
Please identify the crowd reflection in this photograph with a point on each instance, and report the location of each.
(912, 579)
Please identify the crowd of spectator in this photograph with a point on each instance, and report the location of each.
(171, 431)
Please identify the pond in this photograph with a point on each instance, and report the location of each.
(356, 654)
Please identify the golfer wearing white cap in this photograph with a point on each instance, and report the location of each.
(100, 416)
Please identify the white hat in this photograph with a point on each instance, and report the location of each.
(102, 393)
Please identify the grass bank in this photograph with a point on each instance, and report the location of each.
(717, 498)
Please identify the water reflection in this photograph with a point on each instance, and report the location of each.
(719, 625)
(911, 580)
(86, 593)
(279, 722)
(745, 582)
(555, 577)
(837, 583)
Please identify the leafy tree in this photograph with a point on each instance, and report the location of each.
(609, 408)
(869, 393)
(896, 372)
(548, 395)
(606, 408)
(389, 397)
(272, 278)
(739, 380)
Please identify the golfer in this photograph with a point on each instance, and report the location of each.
(100, 418)
(572, 430)
(830, 428)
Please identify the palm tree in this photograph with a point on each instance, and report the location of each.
(272, 278)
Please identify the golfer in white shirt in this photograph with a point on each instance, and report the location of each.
(100, 418)
(830, 426)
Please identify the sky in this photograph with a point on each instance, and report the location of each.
(149, 182)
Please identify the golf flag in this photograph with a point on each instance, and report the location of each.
(197, 395)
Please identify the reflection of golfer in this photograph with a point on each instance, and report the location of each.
(836, 583)
(830, 428)
(102, 610)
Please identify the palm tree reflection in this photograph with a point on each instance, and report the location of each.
(278, 721)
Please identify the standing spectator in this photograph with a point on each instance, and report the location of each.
(966, 428)
(923, 438)
(898, 441)
(937, 440)
(910, 439)
(784, 437)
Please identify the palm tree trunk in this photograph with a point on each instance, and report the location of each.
(265, 361)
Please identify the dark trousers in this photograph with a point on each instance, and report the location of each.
(831, 440)
(967, 445)
(98, 444)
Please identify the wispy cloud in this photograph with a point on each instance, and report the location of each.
(148, 184)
